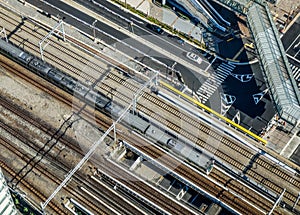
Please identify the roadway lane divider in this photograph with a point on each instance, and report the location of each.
(219, 116)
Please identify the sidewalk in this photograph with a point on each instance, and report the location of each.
(166, 16)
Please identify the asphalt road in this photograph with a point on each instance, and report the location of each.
(170, 44)
(254, 116)
(68, 13)
(244, 101)
(296, 156)
(290, 39)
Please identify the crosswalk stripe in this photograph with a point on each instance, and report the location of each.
(229, 66)
(221, 72)
(223, 67)
(297, 75)
(214, 81)
(221, 75)
(226, 68)
(295, 71)
(210, 90)
(204, 97)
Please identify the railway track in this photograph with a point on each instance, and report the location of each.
(221, 192)
(120, 207)
(51, 177)
(263, 167)
(40, 124)
(207, 132)
(138, 186)
(24, 183)
(84, 69)
(171, 207)
(236, 186)
(271, 184)
(32, 162)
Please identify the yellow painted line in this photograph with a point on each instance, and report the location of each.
(249, 45)
(230, 39)
(241, 128)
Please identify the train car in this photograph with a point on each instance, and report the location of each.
(12, 51)
(91, 97)
(25, 57)
(39, 67)
(102, 101)
(56, 76)
(160, 136)
(137, 122)
(114, 109)
(68, 82)
(97, 99)
(80, 90)
(53, 75)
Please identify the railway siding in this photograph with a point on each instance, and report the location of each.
(275, 172)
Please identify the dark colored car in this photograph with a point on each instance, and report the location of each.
(177, 39)
(155, 28)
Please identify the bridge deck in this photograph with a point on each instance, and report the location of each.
(281, 83)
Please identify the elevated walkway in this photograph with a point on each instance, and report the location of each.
(273, 60)
(275, 65)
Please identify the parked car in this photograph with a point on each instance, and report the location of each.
(155, 28)
(194, 57)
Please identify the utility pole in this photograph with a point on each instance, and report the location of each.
(94, 29)
(172, 70)
(3, 31)
(130, 24)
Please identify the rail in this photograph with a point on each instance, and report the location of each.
(273, 60)
(183, 179)
(124, 187)
(239, 127)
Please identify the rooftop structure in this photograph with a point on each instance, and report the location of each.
(7, 206)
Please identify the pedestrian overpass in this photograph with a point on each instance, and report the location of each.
(274, 63)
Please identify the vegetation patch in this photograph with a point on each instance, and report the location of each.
(162, 25)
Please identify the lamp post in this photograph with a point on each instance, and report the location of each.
(172, 69)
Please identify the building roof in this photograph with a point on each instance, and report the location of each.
(7, 206)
